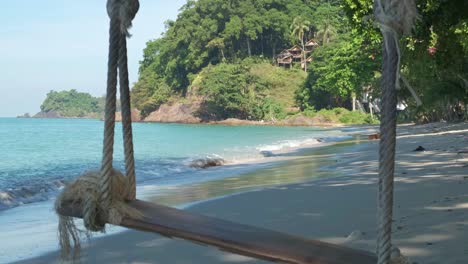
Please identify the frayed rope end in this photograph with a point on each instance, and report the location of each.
(84, 191)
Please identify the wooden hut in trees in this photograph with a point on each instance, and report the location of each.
(310, 45)
(285, 58)
(296, 52)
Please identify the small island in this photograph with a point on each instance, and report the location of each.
(70, 104)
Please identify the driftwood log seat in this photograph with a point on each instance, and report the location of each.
(234, 237)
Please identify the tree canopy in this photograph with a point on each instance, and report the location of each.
(210, 31)
(435, 58)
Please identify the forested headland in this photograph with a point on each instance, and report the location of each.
(225, 52)
(224, 59)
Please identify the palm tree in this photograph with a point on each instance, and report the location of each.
(298, 29)
(326, 32)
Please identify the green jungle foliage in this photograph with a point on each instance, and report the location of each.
(150, 92)
(246, 32)
(73, 104)
(231, 91)
(223, 51)
(342, 68)
(246, 90)
(211, 31)
(435, 57)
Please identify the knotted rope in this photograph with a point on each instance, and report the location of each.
(394, 18)
(103, 194)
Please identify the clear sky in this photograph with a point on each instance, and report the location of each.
(62, 44)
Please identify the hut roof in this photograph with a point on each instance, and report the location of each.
(284, 54)
(311, 43)
(295, 48)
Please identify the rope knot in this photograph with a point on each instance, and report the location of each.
(123, 10)
(85, 190)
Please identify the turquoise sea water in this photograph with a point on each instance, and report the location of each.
(38, 155)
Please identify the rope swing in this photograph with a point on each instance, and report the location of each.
(108, 196)
(103, 194)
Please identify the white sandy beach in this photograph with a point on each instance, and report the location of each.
(431, 207)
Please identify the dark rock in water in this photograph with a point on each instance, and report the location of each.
(267, 153)
(59, 183)
(6, 201)
(420, 148)
(29, 194)
(207, 163)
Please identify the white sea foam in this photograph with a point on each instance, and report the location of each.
(289, 145)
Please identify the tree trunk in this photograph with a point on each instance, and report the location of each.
(233, 51)
(360, 107)
(248, 47)
(304, 55)
(371, 110)
(354, 102)
(261, 40)
(222, 54)
(273, 50)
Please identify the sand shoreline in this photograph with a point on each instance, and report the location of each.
(431, 207)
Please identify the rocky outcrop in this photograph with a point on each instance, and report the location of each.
(240, 122)
(302, 120)
(26, 115)
(298, 120)
(50, 114)
(177, 112)
(136, 117)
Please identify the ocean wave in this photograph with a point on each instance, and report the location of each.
(29, 187)
(41, 184)
(337, 138)
(286, 145)
(29, 194)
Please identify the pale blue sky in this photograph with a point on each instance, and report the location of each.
(62, 44)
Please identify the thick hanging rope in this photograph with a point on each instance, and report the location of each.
(126, 118)
(109, 122)
(121, 14)
(103, 194)
(394, 18)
